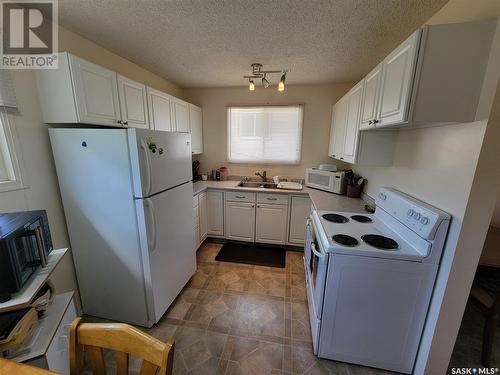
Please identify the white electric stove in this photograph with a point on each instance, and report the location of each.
(370, 279)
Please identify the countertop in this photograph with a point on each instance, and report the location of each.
(321, 200)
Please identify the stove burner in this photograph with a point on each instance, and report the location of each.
(345, 240)
(380, 242)
(361, 219)
(335, 218)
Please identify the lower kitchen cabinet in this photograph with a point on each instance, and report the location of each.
(240, 221)
(300, 209)
(271, 223)
(202, 212)
(215, 213)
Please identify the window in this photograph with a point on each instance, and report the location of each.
(264, 134)
(10, 171)
(10, 167)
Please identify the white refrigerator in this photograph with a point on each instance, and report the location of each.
(127, 196)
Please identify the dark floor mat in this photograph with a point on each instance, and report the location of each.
(252, 254)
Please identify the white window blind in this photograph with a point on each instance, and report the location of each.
(7, 93)
(271, 134)
(10, 162)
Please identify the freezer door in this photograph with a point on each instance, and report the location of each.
(168, 233)
(160, 160)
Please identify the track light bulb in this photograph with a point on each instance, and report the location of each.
(281, 85)
(251, 85)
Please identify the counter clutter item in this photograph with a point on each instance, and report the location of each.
(289, 185)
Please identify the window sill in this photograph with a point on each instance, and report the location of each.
(7, 186)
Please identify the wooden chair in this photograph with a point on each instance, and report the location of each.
(125, 340)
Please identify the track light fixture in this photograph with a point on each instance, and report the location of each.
(259, 73)
(265, 82)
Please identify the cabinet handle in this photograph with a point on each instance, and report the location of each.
(272, 199)
(240, 196)
(253, 205)
(258, 206)
(376, 121)
(125, 122)
(370, 122)
(120, 122)
(341, 158)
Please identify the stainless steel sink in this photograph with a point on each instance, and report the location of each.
(262, 185)
(250, 184)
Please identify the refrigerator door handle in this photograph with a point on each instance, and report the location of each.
(152, 224)
(145, 149)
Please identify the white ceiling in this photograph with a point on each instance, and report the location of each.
(208, 43)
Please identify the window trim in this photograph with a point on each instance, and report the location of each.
(228, 133)
(9, 146)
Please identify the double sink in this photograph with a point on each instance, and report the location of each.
(262, 185)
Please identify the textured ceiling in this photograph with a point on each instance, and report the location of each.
(205, 43)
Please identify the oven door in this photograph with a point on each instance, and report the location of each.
(27, 249)
(315, 262)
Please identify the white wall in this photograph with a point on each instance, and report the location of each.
(317, 100)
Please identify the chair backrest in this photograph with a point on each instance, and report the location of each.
(125, 340)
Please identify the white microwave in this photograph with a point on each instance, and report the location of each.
(334, 182)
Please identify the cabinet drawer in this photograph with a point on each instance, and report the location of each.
(237, 196)
(272, 198)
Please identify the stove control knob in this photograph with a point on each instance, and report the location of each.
(417, 216)
(424, 220)
(410, 213)
(382, 196)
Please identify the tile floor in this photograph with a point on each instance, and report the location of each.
(242, 319)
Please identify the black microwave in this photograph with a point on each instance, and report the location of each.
(25, 244)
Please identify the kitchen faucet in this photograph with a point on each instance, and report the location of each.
(263, 175)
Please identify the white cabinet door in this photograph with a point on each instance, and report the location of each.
(337, 129)
(196, 125)
(352, 123)
(133, 103)
(96, 92)
(300, 210)
(180, 115)
(215, 213)
(159, 105)
(57, 354)
(202, 210)
(271, 223)
(240, 221)
(398, 74)
(370, 98)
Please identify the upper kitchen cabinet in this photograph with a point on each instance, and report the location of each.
(79, 92)
(398, 71)
(370, 98)
(348, 143)
(133, 103)
(337, 128)
(433, 78)
(160, 112)
(352, 123)
(180, 115)
(196, 125)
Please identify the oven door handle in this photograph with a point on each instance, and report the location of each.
(42, 250)
(316, 252)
